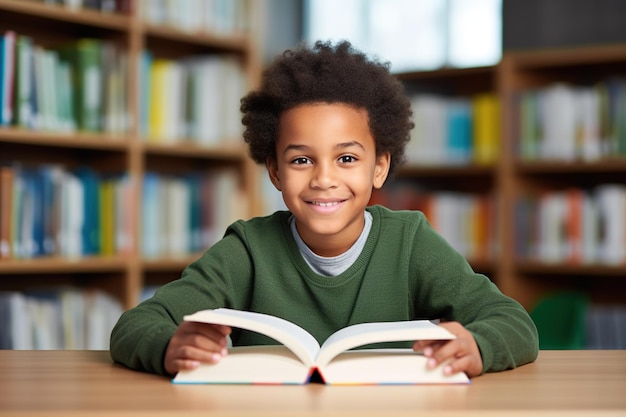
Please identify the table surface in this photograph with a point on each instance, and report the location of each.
(72, 383)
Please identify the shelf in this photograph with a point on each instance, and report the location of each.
(229, 152)
(446, 171)
(544, 167)
(573, 270)
(64, 265)
(236, 43)
(591, 55)
(451, 81)
(95, 141)
(51, 12)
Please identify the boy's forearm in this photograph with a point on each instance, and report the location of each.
(506, 342)
(140, 344)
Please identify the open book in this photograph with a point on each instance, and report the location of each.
(300, 355)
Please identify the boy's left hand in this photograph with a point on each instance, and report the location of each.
(463, 351)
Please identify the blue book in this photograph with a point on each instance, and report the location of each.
(2, 75)
(150, 219)
(7, 68)
(90, 232)
(33, 214)
(145, 62)
(459, 149)
(50, 178)
(194, 182)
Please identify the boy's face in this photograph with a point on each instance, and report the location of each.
(326, 166)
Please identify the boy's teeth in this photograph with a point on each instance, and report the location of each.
(325, 204)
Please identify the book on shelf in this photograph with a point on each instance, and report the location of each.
(486, 128)
(85, 59)
(464, 219)
(573, 226)
(81, 85)
(299, 356)
(571, 122)
(6, 210)
(222, 18)
(7, 76)
(179, 214)
(453, 131)
(51, 211)
(193, 99)
(66, 318)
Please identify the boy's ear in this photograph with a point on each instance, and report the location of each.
(383, 162)
(272, 170)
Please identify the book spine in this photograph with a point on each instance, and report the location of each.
(8, 77)
(6, 211)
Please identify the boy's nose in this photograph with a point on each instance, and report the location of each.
(324, 176)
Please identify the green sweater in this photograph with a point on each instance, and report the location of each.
(406, 271)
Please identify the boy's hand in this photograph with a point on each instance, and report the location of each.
(463, 351)
(194, 343)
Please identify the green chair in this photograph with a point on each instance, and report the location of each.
(560, 321)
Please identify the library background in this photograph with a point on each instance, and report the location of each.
(121, 156)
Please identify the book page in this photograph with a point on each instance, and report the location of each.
(249, 365)
(294, 337)
(386, 366)
(366, 333)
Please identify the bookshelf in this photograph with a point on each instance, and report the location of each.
(513, 176)
(124, 148)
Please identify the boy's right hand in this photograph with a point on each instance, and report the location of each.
(194, 343)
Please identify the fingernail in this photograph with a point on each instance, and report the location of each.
(216, 357)
(428, 351)
(432, 363)
(447, 370)
(224, 351)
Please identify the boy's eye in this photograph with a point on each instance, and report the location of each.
(345, 159)
(300, 161)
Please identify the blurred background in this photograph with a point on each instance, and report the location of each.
(121, 157)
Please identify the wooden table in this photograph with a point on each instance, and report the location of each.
(79, 383)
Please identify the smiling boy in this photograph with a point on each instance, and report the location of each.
(330, 125)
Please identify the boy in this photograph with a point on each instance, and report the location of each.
(330, 125)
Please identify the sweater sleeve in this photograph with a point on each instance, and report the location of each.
(448, 287)
(140, 337)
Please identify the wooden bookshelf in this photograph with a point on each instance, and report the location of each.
(511, 177)
(130, 152)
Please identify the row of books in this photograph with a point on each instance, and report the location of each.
(222, 17)
(451, 130)
(465, 220)
(566, 122)
(186, 214)
(52, 211)
(605, 327)
(81, 86)
(194, 99)
(107, 6)
(69, 318)
(574, 225)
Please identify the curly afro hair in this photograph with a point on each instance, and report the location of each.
(328, 73)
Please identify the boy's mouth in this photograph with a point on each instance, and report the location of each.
(325, 203)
